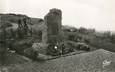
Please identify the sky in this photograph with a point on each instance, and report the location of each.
(98, 14)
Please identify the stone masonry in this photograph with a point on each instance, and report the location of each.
(53, 23)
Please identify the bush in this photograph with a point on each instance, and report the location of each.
(98, 43)
(29, 52)
(39, 47)
(59, 49)
(53, 50)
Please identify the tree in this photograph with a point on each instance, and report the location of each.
(83, 30)
(113, 38)
(3, 46)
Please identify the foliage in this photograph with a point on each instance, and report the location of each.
(58, 49)
(104, 40)
(3, 47)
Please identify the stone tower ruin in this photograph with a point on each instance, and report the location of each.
(53, 23)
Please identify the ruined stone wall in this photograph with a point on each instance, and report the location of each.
(53, 22)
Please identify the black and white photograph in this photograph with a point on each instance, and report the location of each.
(57, 35)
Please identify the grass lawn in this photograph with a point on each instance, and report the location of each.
(85, 62)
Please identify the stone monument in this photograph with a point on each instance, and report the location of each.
(53, 23)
